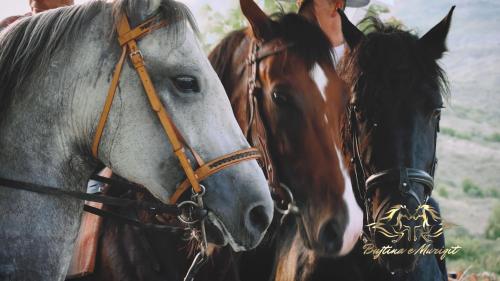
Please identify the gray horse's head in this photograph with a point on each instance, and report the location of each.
(133, 143)
(137, 148)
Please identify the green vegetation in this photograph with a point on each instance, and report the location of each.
(453, 133)
(272, 6)
(443, 192)
(493, 229)
(493, 193)
(471, 189)
(495, 137)
(479, 253)
(219, 25)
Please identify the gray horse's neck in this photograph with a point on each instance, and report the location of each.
(45, 139)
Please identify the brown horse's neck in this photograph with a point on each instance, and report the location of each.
(130, 253)
(228, 59)
(296, 263)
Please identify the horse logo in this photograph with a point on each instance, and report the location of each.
(399, 222)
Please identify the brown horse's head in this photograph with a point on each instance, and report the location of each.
(280, 96)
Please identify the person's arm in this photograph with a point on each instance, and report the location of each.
(6, 22)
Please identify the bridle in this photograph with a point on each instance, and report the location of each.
(191, 212)
(284, 200)
(405, 176)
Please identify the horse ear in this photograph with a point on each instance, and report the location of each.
(352, 35)
(141, 10)
(434, 41)
(260, 22)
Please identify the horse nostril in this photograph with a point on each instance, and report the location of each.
(330, 236)
(259, 220)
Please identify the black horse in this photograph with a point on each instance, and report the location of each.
(397, 90)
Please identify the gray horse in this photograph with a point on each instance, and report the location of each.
(55, 69)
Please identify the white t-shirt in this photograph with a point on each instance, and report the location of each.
(339, 53)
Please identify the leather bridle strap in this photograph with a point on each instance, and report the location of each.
(127, 38)
(158, 208)
(215, 166)
(256, 55)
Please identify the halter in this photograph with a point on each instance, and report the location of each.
(284, 201)
(367, 185)
(255, 57)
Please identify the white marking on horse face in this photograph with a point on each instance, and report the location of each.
(354, 226)
(319, 76)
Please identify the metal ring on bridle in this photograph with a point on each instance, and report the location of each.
(186, 215)
(291, 206)
(201, 193)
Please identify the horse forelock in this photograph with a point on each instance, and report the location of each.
(308, 40)
(169, 10)
(389, 54)
(31, 42)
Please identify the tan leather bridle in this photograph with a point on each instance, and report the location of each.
(127, 38)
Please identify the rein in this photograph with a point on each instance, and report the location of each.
(405, 176)
(284, 201)
(191, 212)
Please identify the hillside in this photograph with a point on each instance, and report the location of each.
(468, 174)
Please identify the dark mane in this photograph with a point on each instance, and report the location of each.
(309, 42)
(388, 68)
(221, 56)
(32, 41)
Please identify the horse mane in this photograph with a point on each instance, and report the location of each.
(308, 40)
(32, 41)
(388, 52)
(221, 56)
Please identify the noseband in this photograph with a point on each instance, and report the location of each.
(404, 176)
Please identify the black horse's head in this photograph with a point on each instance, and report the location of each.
(397, 90)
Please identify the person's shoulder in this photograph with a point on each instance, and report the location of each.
(7, 21)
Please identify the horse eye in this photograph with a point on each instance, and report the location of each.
(280, 98)
(437, 113)
(186, 83)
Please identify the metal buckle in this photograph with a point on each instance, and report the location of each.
(136, 52)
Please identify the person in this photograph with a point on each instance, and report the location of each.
(324, 12)
(37, 6)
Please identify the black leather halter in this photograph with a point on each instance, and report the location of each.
(406, 176)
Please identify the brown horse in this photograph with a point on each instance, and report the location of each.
(289, 101)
